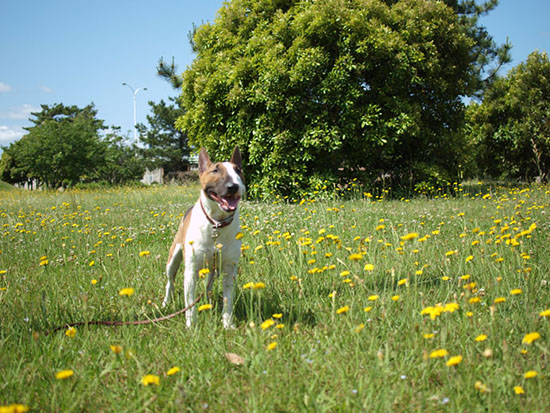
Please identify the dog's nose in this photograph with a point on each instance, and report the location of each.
(232, 188)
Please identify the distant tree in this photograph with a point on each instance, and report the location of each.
(511, 126)
(311, 89)
(166, 146)
(61, 148)
(123, 161)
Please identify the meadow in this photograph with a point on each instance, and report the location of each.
(435, 303)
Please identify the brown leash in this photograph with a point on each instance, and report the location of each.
(216, 225)
(139, 322)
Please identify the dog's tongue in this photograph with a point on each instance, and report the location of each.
(231, 202)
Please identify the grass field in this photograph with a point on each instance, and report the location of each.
(358, 305)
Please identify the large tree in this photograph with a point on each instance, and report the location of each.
(308, 89)
(511, 126)
(62, 148)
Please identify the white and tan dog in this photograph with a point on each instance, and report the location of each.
(213, 220)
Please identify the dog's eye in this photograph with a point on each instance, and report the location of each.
(214, 171)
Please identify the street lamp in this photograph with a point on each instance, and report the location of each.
(135, 92)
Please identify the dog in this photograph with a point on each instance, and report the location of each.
(210, 225)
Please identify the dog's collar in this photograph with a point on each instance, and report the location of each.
(215, 223)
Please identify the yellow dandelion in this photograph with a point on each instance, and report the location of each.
(519, 390)
(203, 272)
(453, 361)
(440, 353)
(409, 236)
(259, 286)
(402, 281)
(367, 309)
(70, 332)
(94, 281)
(173, 371)
(342, 310)
(345, 273)
(427, 336)
(115, 348)
(395, 298)
(482, 388)
(373, 297)
(267, 323)
(64, 374)
(369, 267)
(239, 235)
(277, 316)
(474, 300)
(516, 291)
(469, 258)
(150, 379)
(499, 300)
(545, 313)
(43, 261)
(91, 263)
(204, 307)
(126, 292)
(529, 338)
(271, 346)
(355, 257)
(248, 285)
(481, 337)
(144, 253)
(530, 374)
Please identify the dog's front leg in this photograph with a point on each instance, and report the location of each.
(229, 277)
(189, 283)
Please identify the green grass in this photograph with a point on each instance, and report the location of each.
(326, 358)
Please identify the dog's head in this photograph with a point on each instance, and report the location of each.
(222, 182)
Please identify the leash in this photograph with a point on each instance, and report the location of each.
(136, 322)
(215, 234)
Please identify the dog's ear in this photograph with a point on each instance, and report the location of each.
(204, 161)
(236, 157)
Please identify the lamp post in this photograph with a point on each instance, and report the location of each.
(135, 92)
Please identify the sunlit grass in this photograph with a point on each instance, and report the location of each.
(363, 304)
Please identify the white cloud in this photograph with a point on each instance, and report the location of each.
(4, 87)
(46, 89)
(19, 112)
(9, 134)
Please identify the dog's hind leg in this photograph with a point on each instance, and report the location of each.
(229, 276)
(172, 266)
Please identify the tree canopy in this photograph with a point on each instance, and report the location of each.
(65, 147)
(511, 127)
(311, 90)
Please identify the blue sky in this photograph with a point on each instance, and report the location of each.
(76, 52)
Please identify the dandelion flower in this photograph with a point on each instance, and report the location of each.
(64, 374)
(440, 353)
(115, 348)
(367, 309)
(71, 332)
(173, 371)
(519, 390)
(409, 236)
(271, 346)
(355, 257)
(482, 388)
(373, 297)
(529, 338)
(402, 281)
(267, 323)
(239, 235)
(150, 379)
(453, 361)
(92, 263)
(277, 316)
(126, 292)
(480, 338)
(427, 336)
(248, 285)
(369, 267)
(144, 253)
(516, 291)
(259, 285)
(204, 307)
(545, 313)
(395, 298)
(342, 310)
(530, 374)
(499, 300)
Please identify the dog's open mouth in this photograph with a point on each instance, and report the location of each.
(227, 203)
